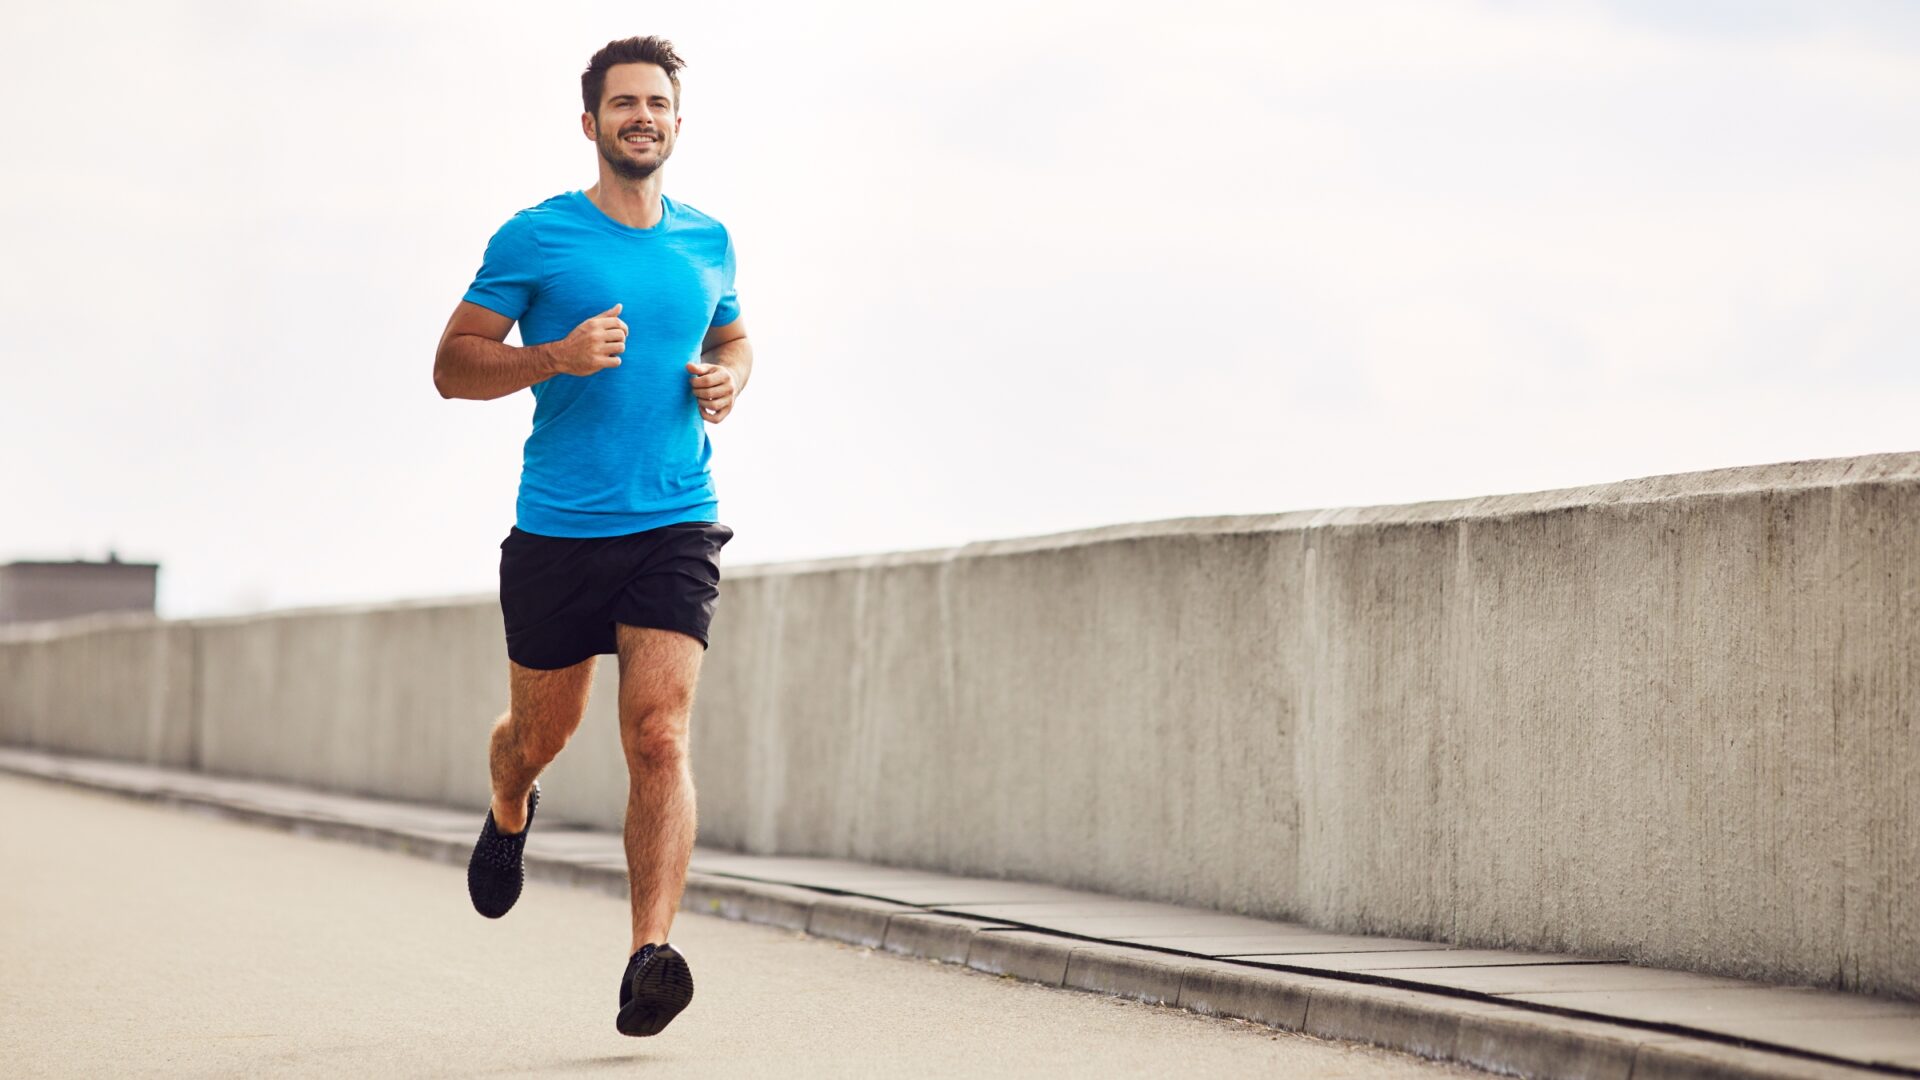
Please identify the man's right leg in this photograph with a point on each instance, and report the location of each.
(544, 709)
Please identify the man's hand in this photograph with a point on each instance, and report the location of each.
(594, 345)
(714, 388)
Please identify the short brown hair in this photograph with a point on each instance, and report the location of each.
(633, 50)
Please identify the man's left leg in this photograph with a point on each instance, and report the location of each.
(658, 670)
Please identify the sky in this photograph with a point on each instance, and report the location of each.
(1008, 268)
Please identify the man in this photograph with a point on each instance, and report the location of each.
(616, 544)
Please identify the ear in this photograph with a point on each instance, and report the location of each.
(587, 126)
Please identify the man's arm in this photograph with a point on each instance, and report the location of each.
(726, 361)
(474, 361)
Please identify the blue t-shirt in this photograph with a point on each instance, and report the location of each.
(624, 449)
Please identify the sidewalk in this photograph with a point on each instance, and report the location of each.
(1530, 1014)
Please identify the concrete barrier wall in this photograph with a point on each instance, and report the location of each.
(1669, 719)
(392, 700)
(118, 686)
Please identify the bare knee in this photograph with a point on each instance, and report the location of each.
(655, 738)
(535, 743)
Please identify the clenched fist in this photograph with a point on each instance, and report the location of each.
(594, 345)
(714, 387)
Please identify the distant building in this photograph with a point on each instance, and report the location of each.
(32, 591)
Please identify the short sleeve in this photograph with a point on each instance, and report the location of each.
(728, 309)
(510, 272)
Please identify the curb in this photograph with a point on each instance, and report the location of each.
(1501, 1038)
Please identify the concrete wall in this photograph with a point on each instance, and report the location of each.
(117, 686)
(389, 700)
(1671, 719)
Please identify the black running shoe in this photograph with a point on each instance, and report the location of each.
(495, 873)
(656, 987)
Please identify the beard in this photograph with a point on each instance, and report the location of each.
(614, 153)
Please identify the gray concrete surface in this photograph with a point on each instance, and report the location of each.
(1667, 720)
(1482, 1007)
(118, 686)
(141, 941)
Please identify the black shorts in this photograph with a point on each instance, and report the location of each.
(562, 596)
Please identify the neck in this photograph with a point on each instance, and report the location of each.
(634, 203)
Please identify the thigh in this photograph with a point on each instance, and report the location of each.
(658, 670)
(550, 701)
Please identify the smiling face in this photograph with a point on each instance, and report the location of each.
(637, 122)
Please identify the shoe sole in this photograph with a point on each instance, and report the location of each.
(663, 988)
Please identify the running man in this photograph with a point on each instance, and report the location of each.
(617, 543)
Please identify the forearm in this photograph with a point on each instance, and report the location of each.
(479, 368)
(736, 356)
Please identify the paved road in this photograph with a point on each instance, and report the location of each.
(140, 940)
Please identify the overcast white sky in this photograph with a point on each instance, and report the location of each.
(1009, 268)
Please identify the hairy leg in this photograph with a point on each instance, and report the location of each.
(658, 670)
(544, 710)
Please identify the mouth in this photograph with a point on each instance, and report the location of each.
(638, 138)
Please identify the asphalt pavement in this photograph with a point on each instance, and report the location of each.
(144, 940)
